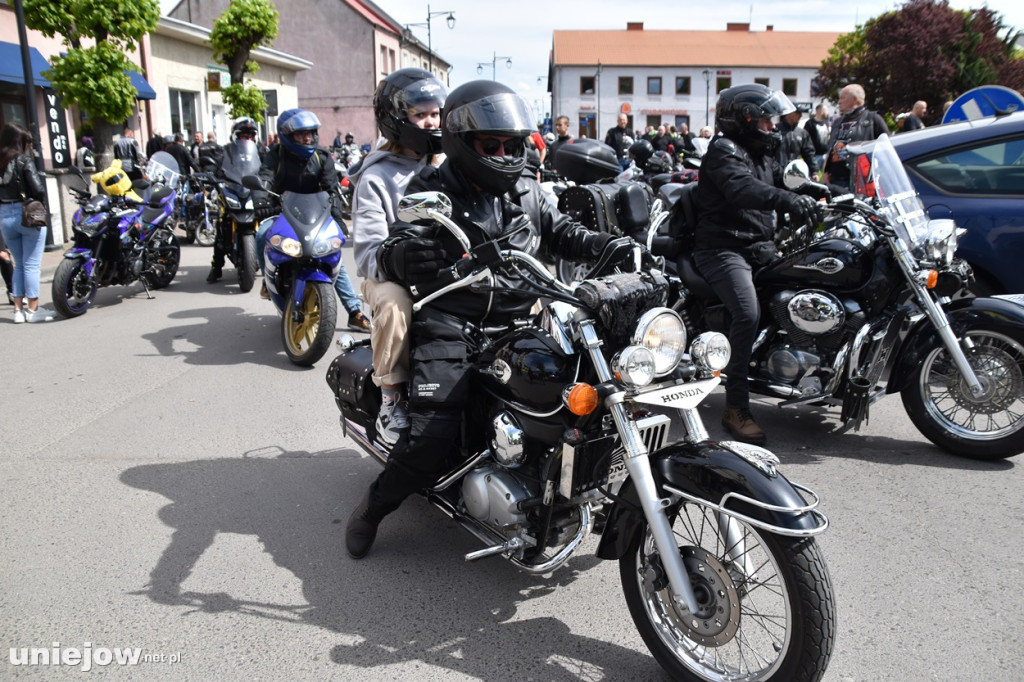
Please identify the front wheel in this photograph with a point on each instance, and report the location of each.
(206, 233)
(72, 289)
(307, 335)
(767, 611)
(247, 263)
(940, 404)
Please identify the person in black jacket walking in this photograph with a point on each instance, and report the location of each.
(739, 192)
(858, 124)
(614, 139)
(484, 129)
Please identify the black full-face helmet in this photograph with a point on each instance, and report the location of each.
(640, 151)
(488, 108)
(397, 94)
(741, 107)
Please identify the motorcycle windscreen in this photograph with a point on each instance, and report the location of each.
(306, 212)
(878, 172)
(241, 158)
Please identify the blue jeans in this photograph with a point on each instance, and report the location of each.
(26, 246)
(342, 284)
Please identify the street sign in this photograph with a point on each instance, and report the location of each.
(982, 102)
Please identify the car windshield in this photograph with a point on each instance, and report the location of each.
(884, 177)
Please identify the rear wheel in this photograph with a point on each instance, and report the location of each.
(72, 289)
(987, 426)
(163, 257)
(307, 335)
(247, 264)
(766, 606)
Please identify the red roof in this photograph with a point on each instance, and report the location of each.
(637, 47)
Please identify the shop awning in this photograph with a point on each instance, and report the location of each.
(141, 85)
(12, 72)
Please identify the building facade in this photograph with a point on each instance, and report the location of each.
(351, 45)
(673, 77)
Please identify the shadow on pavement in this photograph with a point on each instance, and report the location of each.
(413, 599)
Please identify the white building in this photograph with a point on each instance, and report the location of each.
(673, 77)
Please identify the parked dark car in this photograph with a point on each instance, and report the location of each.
(973, 172)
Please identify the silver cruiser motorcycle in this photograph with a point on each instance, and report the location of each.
(586, 422)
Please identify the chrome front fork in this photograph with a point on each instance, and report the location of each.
(638, 464)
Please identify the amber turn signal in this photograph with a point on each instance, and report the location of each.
(581, 399)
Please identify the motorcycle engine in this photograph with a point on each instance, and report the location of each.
(493, 495)
(815, 323)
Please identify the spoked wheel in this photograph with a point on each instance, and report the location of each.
(307, 338)
(72, 289)
(162, 259)
(987, 426)
(766, 606)
(206, 236)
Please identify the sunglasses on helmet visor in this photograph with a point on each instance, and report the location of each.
(490, 146)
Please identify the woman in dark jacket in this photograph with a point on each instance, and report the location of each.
(20, 180)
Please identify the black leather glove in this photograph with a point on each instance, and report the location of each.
(800, 208)
(412, 260)
(816, 191)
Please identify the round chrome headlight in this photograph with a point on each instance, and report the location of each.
(634, 366)
(711, 351)
(661, 330)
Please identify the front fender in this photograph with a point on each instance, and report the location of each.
(78, 254)
(996, 313)
(709, 471)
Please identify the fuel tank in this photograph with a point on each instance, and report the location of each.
(527, 368)
(833, 264)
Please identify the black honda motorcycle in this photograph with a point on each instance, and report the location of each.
(586, 421)
(872, 301)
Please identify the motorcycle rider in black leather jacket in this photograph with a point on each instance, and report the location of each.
(484, 129)
(738, 194)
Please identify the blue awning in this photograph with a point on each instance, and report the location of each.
(141, 85)
(10, 65)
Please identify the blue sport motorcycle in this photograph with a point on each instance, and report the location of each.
(302, 258)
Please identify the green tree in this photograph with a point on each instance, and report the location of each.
(99, 36)
(246, 25)
(923, 51)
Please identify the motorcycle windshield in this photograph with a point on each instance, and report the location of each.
(241, 158)
(884, 177)
(306, 212)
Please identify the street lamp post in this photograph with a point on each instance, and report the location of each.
(707, 97)
(430, 46)
(494, 61)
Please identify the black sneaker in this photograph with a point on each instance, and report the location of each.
(215, 274)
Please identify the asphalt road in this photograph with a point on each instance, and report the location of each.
(172, 484)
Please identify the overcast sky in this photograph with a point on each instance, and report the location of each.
(521, 29)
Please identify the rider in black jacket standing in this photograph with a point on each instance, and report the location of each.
(738, 195)
(484, 129)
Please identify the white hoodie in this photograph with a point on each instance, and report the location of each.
(379, 183)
